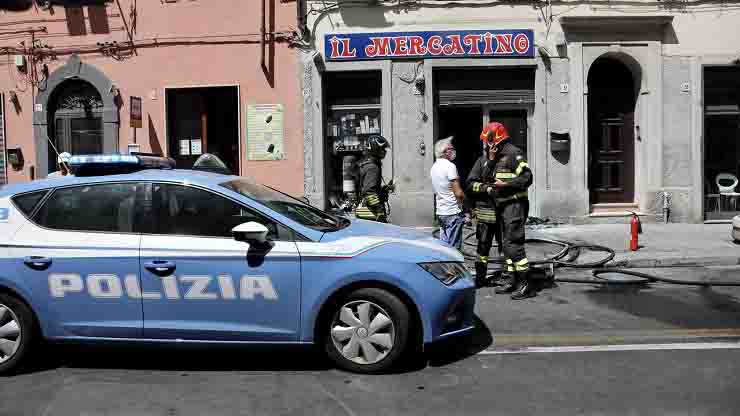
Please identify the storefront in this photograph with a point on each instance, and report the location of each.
(624, 113)
(415, 88)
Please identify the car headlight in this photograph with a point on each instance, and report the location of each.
(446, 272)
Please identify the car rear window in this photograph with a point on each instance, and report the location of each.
(103, 208)
(26, 203)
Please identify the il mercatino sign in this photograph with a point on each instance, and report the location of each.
(448, 44)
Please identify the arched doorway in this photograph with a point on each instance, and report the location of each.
(613, 88)
(77, 110)
(76, 120)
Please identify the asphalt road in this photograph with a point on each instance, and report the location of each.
(480, 374)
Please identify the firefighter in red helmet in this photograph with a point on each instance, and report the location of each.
(512, 177)
(480, 187)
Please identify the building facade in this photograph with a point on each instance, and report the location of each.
(618, 107)
(173, 77)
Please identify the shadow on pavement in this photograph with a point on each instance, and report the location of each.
(457, 349)
(201, 357)
(709, 309)
(182, 358)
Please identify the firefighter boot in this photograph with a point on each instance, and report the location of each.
(526, 288)
(511, 285)
(481, 270)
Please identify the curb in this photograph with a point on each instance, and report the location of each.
(693, 261)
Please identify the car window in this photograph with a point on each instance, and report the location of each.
(26, 203)
(292, 208)
(105, 207)
(190, 211)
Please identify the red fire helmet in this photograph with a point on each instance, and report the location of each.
(494, 133)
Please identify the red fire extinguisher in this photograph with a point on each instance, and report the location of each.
(635, 229)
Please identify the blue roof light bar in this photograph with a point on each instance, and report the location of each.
(116, 164)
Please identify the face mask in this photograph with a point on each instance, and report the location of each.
(453, 154)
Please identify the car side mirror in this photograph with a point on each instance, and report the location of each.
(250, 232)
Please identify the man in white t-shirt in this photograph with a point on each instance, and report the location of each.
(449, 193)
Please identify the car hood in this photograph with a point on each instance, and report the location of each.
(358, 230)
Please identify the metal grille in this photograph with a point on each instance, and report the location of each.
(482, 97)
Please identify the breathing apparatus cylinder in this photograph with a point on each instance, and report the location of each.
(348, 175)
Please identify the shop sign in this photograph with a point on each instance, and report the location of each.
(446, 44)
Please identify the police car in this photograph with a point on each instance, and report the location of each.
(132, 250)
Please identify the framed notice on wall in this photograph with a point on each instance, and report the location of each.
(136, 113)
(265, 132)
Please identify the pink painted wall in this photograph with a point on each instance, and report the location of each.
(158, 66)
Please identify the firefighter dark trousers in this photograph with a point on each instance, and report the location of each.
(485, 232)
(513, 217)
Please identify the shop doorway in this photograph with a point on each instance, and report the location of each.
(515, 121)
(464, 125)
(721, 142)
(612, 97)
(468, 98)
(203, 120)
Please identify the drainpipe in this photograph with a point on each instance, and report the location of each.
(300, 18)
(263, 31)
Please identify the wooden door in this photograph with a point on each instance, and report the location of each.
(188, 125)
(611, 156)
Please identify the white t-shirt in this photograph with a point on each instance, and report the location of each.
(444, 171)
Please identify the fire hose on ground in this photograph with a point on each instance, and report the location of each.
(571, 251)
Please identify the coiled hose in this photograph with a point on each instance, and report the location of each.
(570, 252)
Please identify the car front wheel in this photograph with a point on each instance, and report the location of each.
(16, 333)
(367, 331)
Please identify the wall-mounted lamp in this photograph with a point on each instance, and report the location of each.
(318, 60)
(420, 82)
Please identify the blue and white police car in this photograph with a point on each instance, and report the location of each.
(131, 250)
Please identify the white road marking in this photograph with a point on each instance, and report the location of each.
(624, 347)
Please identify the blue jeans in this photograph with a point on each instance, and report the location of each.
(450, 229)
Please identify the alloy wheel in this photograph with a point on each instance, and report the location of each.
(10, 333)
(363, 332)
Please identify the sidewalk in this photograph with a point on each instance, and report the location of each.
(662, 245)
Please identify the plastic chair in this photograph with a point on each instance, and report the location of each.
(728, 190)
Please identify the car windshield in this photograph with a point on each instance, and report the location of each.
(289, 206)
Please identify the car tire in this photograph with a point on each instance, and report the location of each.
(367, 331)
(17, 333)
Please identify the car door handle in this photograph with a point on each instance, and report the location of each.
(37, 262)
(160, 267)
